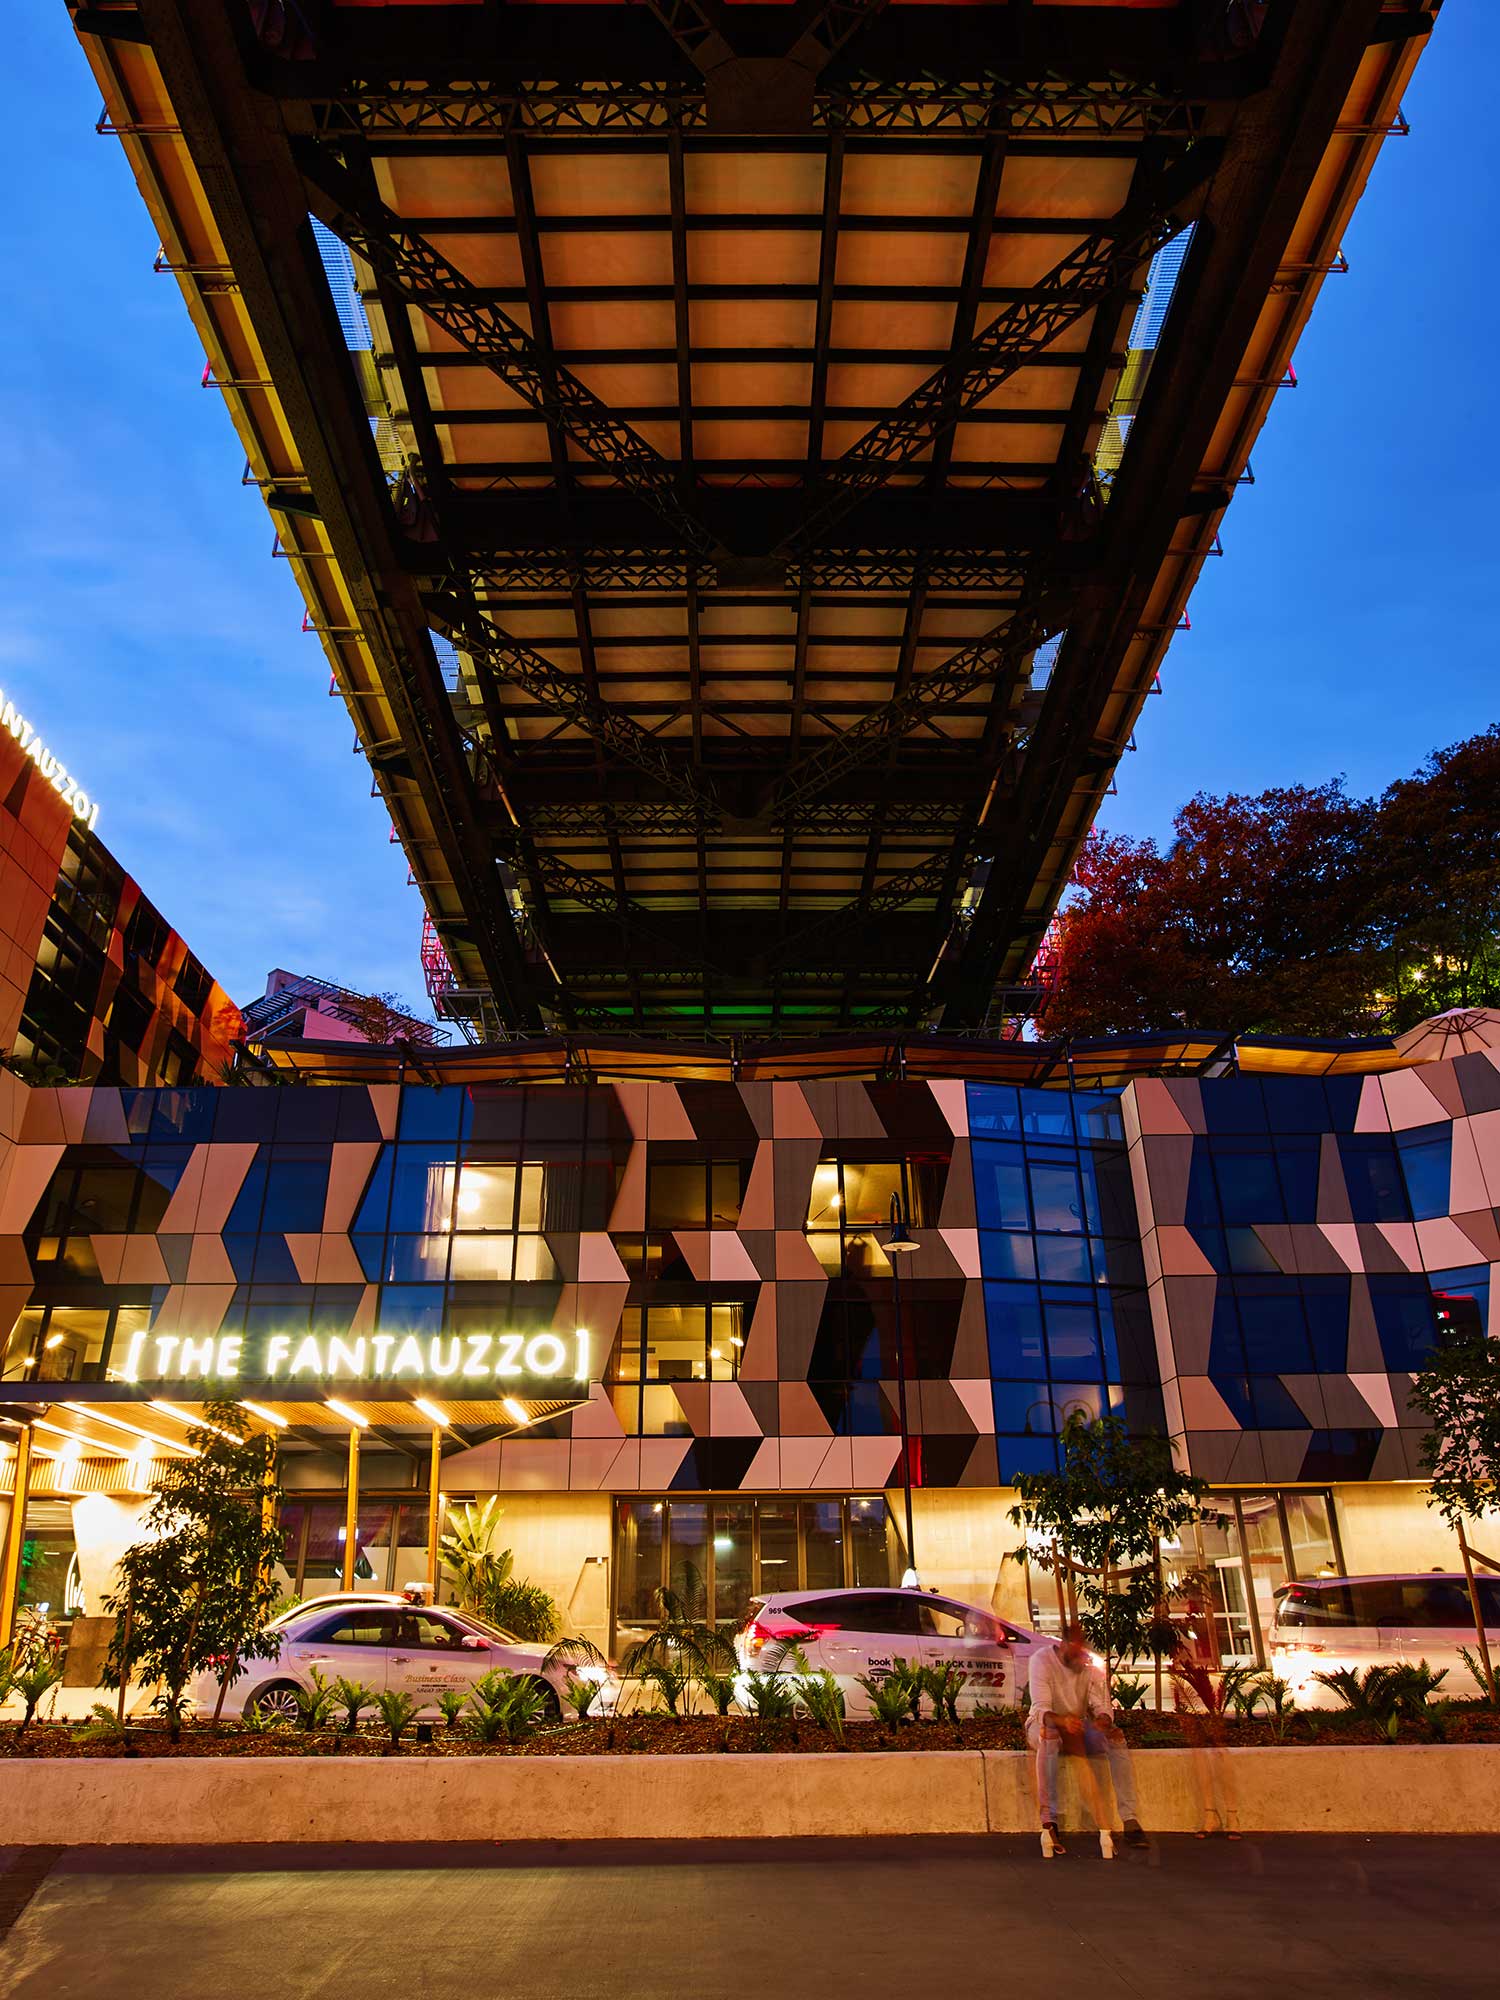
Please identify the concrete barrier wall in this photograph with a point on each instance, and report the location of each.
(115, 1801)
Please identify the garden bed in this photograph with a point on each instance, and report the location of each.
(701, 1735)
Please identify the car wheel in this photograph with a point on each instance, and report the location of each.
(275, 1698)
(551, 1709)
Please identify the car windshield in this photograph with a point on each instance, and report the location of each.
(483, 1625)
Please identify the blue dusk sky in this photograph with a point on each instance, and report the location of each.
(145, 629)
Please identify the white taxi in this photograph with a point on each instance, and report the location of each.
(850, 1633)
(389, 1643)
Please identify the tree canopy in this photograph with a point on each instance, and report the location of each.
(1302, 910)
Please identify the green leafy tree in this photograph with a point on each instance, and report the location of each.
(195, 1596)
(1459, 1393)
(1102, 1519)
(1439, 861)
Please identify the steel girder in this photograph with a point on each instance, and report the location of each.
(1104, 267)
(509, 659)
(1043, 106)
(590, 819)
(423, 277)
(995, 656)
(558, 878)
(983, 570)
(895, 893)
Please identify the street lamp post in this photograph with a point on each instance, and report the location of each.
(901, 1243)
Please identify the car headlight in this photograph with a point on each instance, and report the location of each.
(598, 1675)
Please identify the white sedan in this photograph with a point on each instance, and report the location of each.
(387, 1643)
(850, 1633)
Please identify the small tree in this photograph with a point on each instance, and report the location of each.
(1459, 1390)
(195, 1596)
(1101, 1521)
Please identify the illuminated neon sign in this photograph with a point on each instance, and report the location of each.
(374, 1357)
(85, 810)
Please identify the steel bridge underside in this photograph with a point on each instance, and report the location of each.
(742, 522)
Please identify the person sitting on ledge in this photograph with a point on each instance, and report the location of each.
(1070, 1702)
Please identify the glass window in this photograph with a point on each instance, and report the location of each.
(1047, 1114)
(434, 1633)
(1249, 1190)
(296, 1193)
(689, 1552)
(1073, 1342)
(1372, 1175)
(676, 1197)
(1461, 1300)
(360, 1628)
(1405, 1320)
(486, 1196)
(872, 1543)
(993, 1107)
(74, 1344)
(1435, 1601)
(422, 1189)
(1013, 1315)
(883, 1611)
(1055, 1196)
(732, 1564)
(823, 1530)
(1426, 1155)
(21, 1349)
(1309, 1526)
(1012, 1255)
(869, 1190)
(1063, 1259)
(639, 1544)
(778, 1545)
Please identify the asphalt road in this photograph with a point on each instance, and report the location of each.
(1321, 1917)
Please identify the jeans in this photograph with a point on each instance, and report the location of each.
(1096, 1743)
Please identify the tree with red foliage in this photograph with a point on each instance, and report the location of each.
(1263, 913)
(1299, 911)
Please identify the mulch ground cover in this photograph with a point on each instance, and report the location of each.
(702, 1735)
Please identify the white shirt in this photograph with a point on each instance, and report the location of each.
(1058, 1689)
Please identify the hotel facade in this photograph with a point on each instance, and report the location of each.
(656, 1317)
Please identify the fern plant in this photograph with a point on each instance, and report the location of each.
(505, 1705)
(891, 1695)
(396, 1711)
(261, 1721)
(1474, 1664)
(770, 1697)
(1128, 1693)
(942, 1686)
(1278, 1699)
(103, 1726)
(719, 1688)
(36, 1678)
(451, 1704)
(314, 1704)
(351, 1699)
(822, 1701)
(580, 1695)
(673, 1683)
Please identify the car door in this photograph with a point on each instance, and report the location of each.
(351, 1645)
(977, 1644)
(433, 1653)
(865, 1632)
(1436, 1621)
